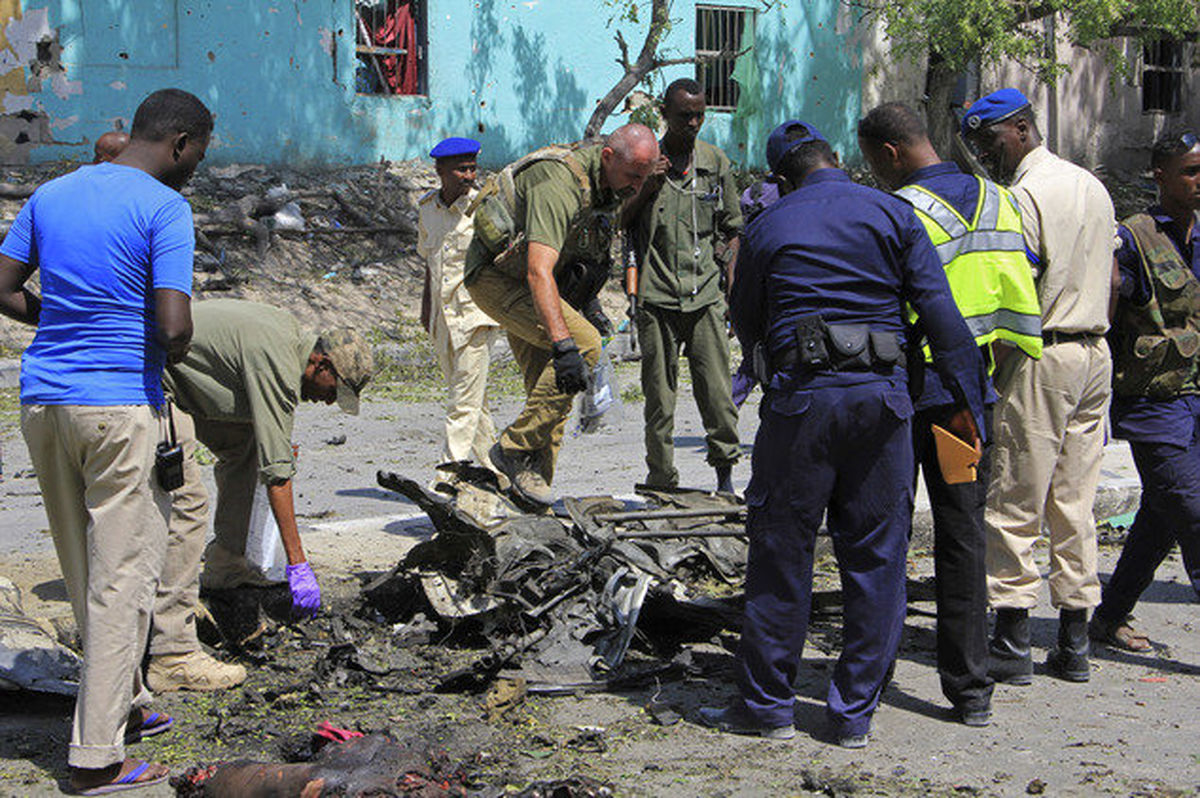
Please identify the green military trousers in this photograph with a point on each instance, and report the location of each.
(701, 334)
(540, 425)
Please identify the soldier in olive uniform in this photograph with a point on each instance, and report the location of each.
(688, 205)
(1156, 385)
(540, 215)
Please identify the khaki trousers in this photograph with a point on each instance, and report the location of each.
(1050, 427)
(539, 426)
(178, 596)
(95, 467)
(469, 428)
(236, 474)
(662, 333)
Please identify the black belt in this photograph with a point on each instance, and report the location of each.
(788, 358)
(1059, 337)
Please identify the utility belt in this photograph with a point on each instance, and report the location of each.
(1057, 337)
(832, 347)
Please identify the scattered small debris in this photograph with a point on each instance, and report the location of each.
(572, 787)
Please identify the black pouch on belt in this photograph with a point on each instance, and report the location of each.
(885, 349)
(849, 342)
(811, 349)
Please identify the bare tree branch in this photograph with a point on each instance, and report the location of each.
(624, 59)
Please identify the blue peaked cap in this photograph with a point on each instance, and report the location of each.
(455, 145)
(993, 108)
(778, 144)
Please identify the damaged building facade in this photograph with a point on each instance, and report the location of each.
(353, 81)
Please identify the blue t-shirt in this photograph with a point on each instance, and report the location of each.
(104, 237)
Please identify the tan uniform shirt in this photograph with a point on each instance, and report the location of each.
(1071, 226)
(443, 234)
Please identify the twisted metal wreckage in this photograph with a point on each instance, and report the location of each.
(561, 596)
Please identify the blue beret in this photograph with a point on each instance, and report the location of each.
(778, 144)
(448, 148)
(995, 107)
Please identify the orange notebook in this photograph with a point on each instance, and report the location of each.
(957, 458)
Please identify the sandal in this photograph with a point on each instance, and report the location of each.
(1120, 635)
(133, 779)
(151, 723)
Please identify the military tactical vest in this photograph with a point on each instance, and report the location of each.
(497, 226)
(1156, 345)
(985, 264)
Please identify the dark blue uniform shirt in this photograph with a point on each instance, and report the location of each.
(855, 255)
(962, 192)
(1139, 418)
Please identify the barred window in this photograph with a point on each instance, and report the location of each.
(719, 38)
(390, 46)
(1162, 76)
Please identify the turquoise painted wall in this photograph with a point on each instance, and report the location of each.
(279, 74)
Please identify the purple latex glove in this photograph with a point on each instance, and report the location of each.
(306, 594)
(743, 383)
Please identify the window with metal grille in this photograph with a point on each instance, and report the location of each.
(718, 43)
(390, 46)
(1162, 76)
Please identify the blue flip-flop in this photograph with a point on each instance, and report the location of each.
(152, 724)
(127, 782)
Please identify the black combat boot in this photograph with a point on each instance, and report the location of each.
(1009, 658)
(1069, 660)
(724, 479)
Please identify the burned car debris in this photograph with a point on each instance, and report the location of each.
(30, 656)
(560, 598)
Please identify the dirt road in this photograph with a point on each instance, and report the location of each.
(1131, 730)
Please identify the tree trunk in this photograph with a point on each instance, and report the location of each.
(939, 88)
(647, 61)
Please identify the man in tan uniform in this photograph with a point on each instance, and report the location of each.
(1051, 413)
(462, 333)
(552, 209)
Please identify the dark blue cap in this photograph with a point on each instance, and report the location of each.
(778, 144)
(995, 107)
(455, 145)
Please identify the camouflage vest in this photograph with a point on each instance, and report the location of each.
(1156, 346)
(497, 226)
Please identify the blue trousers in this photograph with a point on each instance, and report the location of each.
(1169, 514)
(960, 573)
(844, 452)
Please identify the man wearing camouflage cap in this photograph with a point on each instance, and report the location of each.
(248, 367)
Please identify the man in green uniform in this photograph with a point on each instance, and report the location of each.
(548, 212)
(248, 367)
(685, 208)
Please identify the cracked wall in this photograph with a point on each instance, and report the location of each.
(280, 76)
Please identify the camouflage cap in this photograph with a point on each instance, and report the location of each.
(351, 358)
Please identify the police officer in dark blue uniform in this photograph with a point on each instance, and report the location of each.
(819, 296)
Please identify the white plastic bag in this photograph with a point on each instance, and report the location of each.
(600, 397)
(264, 549)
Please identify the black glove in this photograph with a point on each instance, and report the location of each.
(570, 372)
(594, 313)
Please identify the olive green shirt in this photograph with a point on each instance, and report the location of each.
(548, 197)
(244, 366)
(677, 230)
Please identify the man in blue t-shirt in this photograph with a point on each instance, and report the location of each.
(114, 243)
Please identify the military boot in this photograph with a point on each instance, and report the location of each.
(724, 479)
(1069, 659)
(194, 670)
(521, 470)
(1009, 658)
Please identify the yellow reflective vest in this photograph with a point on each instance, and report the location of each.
(985, 264)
